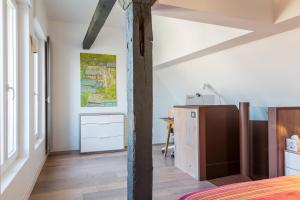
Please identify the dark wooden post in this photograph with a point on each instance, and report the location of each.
(244, 139)
(139, 91)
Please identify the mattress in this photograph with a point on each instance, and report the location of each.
(282, 188)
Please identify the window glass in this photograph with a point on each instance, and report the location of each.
(11, 80)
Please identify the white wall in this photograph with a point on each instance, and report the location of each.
(22, 184)
(260, 10)
(66, 39)
(264, 72)
(176, 37)
(40, 12)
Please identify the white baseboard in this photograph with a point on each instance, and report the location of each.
(60, 149)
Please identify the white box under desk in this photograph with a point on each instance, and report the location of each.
(101, 132)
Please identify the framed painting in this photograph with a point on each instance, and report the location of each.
(98, 80)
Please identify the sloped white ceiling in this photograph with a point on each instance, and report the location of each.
(174, 38)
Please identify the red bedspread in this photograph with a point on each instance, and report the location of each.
(283, 188)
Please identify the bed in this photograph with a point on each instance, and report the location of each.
(282, 188)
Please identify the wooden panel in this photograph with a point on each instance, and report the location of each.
(202, 146)
(186, 129)
(259, 150)
(272, 142)
(222, 141)
(283, 122)
(288, 124)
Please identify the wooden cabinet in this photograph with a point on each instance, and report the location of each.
(283, 123)
(207, 140)
(101, 133)
(258, 148)
(292, 163)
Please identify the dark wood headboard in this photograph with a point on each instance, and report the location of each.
(283, 123)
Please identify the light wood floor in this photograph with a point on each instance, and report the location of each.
(103, 177)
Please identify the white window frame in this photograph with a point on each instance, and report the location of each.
(2, 14)
(36, 95)
(8, 158)
(39, 118)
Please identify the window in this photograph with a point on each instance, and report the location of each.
(9, 97)
(38, 88)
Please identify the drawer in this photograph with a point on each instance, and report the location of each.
(102, 144)
(289, 171)
(102, 119)
(292, 160)
(102, 130)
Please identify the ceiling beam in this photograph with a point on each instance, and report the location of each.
(102, 12)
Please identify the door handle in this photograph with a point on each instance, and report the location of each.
(12, 89)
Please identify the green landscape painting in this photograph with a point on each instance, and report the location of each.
(98, 80)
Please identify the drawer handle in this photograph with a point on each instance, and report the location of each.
(107, 137)
(104, 123)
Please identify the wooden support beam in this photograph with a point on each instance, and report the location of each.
(103, 10)
(140, 99)
(244, 138)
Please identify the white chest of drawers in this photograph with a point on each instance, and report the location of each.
(101, 132)
(292, 163)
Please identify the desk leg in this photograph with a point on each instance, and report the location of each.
(168, 138)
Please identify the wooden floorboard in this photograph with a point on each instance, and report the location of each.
(104, 176)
